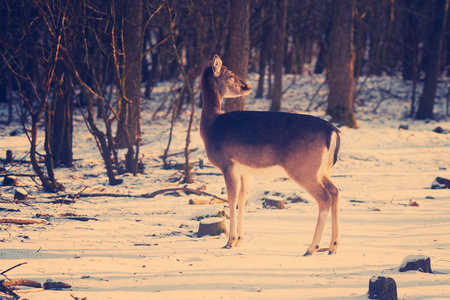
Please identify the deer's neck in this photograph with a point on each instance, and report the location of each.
(210, 110)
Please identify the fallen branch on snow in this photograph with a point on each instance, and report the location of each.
(63, 198)
(18, 265)
(183, 189)
(18, 175)
(21, 222)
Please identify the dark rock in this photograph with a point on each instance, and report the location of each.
(16, 132)
(51, 285)
(420, 263)
(440, 183)
(383, 288)
(439, 129)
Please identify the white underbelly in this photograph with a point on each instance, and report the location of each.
(270, 172)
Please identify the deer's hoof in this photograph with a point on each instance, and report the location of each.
(307, 253)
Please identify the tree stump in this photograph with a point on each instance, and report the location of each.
(383, 288)
(420, 263)
(274, 201)
(21, 195)
(9, 157)
(10, 181)
(212, 226)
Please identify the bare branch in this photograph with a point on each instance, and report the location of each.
(18, 265)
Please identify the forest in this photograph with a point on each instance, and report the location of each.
(109, 55)
(104, 177)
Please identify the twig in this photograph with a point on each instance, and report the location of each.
(208, 174)
(18, 175)
(177, 153)
(18, 265)
(183, 189)
(161, 106)
(2, 160)
(173, 175)
(151, 195)
(77, 298)
(314, 96)
(78, 194)
(291, 85)
(7, 290)
(172, 122)
(187, 170)
(5, 286)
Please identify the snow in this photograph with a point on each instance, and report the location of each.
(141, 248)
(276, 198)
(208, 212)
(212, 220)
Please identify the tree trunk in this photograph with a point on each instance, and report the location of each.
(48, 185)
(340, 65)
(279, 55)
(128, 131)
(436, 40)
(131, 74)
(239, 47)
(262, 73)
(265, 48)
(101, 138)
(410, 31)
(61, 121)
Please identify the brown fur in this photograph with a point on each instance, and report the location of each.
(305, 147)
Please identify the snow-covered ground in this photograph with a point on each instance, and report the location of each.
(146, 248)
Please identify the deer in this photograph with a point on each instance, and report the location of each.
(245, 144)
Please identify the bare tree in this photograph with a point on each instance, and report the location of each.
(128, 73)
(60, 114)
(434, 47)
(239, 47)
(278, 62)
(91, 74)
(340, 64)
(32, 58)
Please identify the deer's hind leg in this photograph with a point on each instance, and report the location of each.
(327, 196)
(333, 190)
(319, 189)
(324, 200)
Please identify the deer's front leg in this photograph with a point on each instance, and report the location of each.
(232, 182)
(242, 201)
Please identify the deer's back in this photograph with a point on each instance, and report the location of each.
(263, 139)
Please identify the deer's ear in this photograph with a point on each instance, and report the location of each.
(216, 65)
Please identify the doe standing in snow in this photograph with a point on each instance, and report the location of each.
(247, 143)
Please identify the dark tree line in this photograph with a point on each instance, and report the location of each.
(58, 55)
